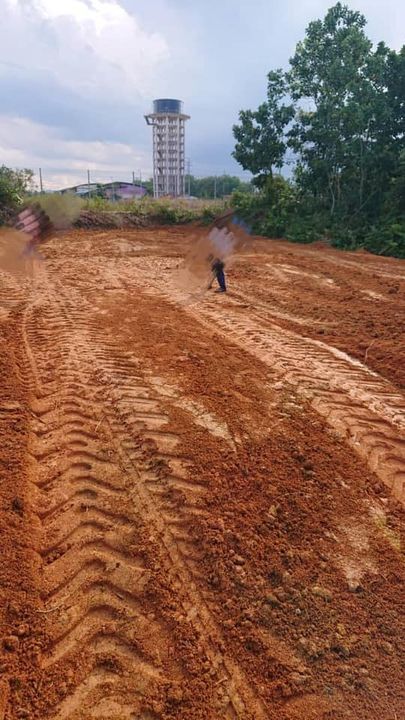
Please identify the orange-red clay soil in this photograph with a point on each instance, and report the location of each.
(201, 495)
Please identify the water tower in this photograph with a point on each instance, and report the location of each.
(168, 122)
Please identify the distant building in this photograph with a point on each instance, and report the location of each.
(168, 122)
(111, 191)
(82, 190)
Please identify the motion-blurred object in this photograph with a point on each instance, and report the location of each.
(48, 214)
(35, 223)
(14, 257)
(232, 222)
(18, 245)
(227, 235)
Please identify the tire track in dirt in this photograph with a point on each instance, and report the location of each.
(90, 596)
(13, 294)
(157, 460)
(352, 400)
(105, 468)
(355, 401)
(371, 266)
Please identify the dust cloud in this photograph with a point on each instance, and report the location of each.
(195, 274)
(14, 258)
(62, 210)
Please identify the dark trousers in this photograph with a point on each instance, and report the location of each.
(221, 279)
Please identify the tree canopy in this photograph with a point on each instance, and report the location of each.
(339, 110)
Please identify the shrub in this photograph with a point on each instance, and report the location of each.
(387, 239)
(303, 230)
(14, 184)
(165, 211)
(268, 211)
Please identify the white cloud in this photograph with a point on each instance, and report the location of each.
(24, 143)
(91, 67)
(93, 47)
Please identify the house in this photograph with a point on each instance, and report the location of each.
(113, 191)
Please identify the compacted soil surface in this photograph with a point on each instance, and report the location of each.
(201, 495)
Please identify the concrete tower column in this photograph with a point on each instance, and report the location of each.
(168, 123)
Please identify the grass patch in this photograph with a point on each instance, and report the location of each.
(148, 211)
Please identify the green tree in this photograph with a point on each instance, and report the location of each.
(346, 137)
(346, 128)
(14, 185)
(388, 149)
(330, 80)
(261, 134)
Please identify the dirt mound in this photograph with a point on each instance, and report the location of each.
(109, 219)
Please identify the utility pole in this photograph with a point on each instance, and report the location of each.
(133, 177)
(41, 186)
(215, 187)
(189, 177)
(88, 182)
(140, 177)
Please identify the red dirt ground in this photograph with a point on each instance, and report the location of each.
(201, 495)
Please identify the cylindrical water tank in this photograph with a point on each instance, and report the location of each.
(167, 105)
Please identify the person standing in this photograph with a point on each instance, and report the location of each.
(217, 267)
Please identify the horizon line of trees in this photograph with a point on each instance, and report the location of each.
(216, 186)
(206, 187)
(17, 184)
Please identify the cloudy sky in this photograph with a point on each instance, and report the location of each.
(76, 76)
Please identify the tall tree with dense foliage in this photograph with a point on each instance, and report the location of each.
(345, 125)
(330, 74)
(260, 136)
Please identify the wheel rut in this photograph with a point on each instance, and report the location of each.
(356, 402)
(182, 536)
(100, 449)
